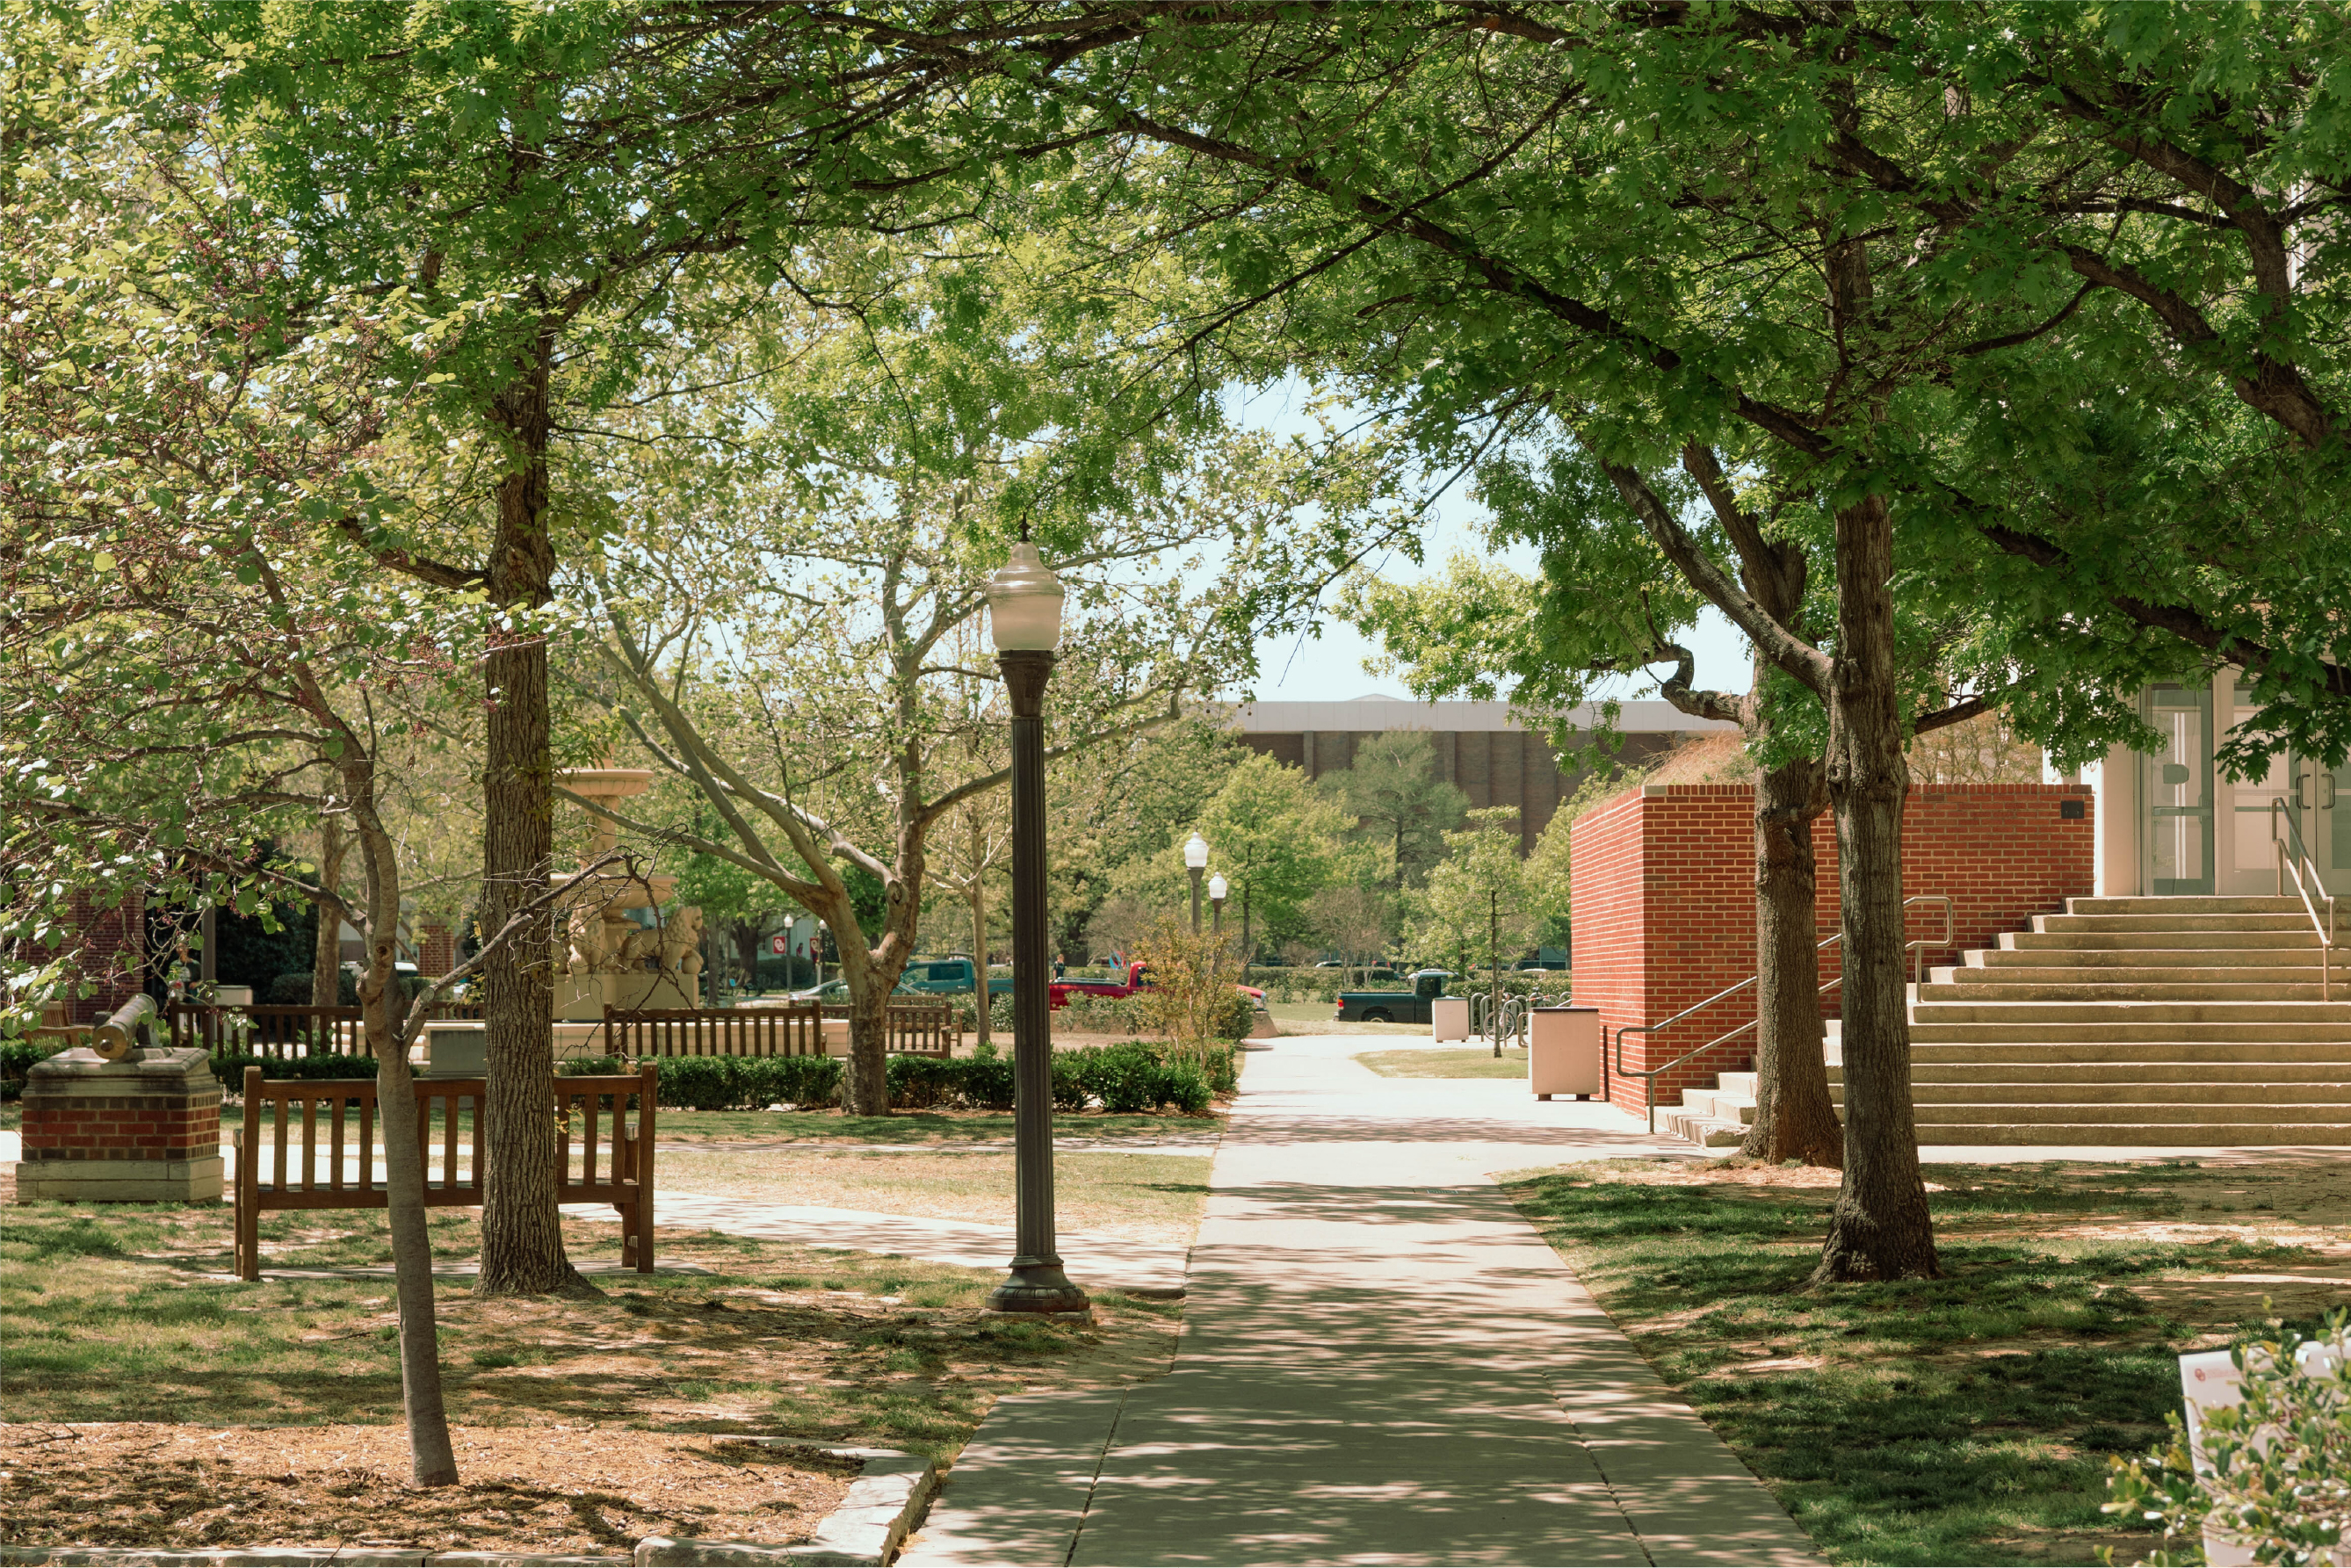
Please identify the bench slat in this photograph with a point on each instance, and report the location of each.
(627, 1185)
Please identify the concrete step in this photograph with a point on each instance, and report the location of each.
(2125, 941)
(2296, 1035)
(2306, 1096)
(2143, 1112)
(2012, 1057)
(2132, 991)
(1704, 1131)
(2299, 961)
(2285, 1077)
(2296, 921)
(2152, 1134)
(2029, 1011)
(2188, 904)
(2223, 980)
(1719, 1105)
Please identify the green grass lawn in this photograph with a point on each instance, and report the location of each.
(110, 1316)
(1511, 1064)
(1156, 1197)
(1968, 1419)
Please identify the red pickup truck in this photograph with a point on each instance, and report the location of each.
(1138, 978)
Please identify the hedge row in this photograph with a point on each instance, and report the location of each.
(1128, 1079)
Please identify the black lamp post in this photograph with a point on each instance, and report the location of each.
(1217, 888)
(1196, 861)
(1024, 614)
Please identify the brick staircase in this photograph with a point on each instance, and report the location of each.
(2167, 1021)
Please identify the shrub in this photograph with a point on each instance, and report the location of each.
(17, 1059)
(1238, 1017)
(1096, 1015)
(2276, 1476)
(229, 1067)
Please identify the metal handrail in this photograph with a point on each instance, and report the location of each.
(1649, 1075)
(2293, 856)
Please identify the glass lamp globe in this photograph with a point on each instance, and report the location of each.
(1218, 887)
(1024, 603)
(1195, 853)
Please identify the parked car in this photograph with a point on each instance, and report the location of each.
(921, 978)
(1395, 1007)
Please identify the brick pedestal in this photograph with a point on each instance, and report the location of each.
(142, 1130)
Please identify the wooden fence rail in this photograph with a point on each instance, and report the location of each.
(295, 1130)
(269, 1028)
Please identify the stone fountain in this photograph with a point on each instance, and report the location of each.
(609, 959)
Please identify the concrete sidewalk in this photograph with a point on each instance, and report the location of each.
(1381, 1361)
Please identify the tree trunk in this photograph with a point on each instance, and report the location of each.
(522, 1235)
(982, 997)
(1881, 1228)
(327, 959)
(433, 1462)
(1794, 1117)
(867, 1093)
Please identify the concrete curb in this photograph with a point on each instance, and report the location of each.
(883, 1503)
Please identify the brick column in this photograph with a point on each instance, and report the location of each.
(436, 950)
(145, 1129)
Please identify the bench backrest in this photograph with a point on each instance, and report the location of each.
(797, 1029)
(321, 1138)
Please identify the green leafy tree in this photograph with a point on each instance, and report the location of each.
(1476, 907)
(1393, 787)
(1692, 238)
(1275, 839)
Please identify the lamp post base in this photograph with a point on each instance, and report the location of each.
(1038, 1288)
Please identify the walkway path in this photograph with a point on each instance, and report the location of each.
(1152, 1269)
(1381, 1361)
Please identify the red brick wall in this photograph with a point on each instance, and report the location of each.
(107, 951)
(1662, 880)
(122, 1127)
(436, 951)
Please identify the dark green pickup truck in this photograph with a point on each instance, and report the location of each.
(1395, 1007)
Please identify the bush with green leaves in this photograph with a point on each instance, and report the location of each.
(17, 1059)
(2275, 1473)
(1084, 1014)
(1130, 1077)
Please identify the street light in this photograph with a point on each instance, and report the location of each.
(1217, 888)
(1196, 861)
(1024, 616)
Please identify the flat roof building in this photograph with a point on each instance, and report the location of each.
(1481, 749)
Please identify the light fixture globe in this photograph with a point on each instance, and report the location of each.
(1024, 603)
(1196, 853)
(1218, 887)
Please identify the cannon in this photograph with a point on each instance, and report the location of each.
(131, 1026)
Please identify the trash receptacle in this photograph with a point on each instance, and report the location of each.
(1563, 1052)
(1449, 1018)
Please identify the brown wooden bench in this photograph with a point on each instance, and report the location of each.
(637, 1032)
(274, 1029)
(321, 1138)
(915, 1028)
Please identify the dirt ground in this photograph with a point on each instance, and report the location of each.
(553, 1490)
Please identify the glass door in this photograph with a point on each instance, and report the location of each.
(2321, 803)
(2179, 790)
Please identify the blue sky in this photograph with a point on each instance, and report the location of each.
(1323, 660)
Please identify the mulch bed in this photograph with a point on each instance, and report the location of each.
(545, 1489)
